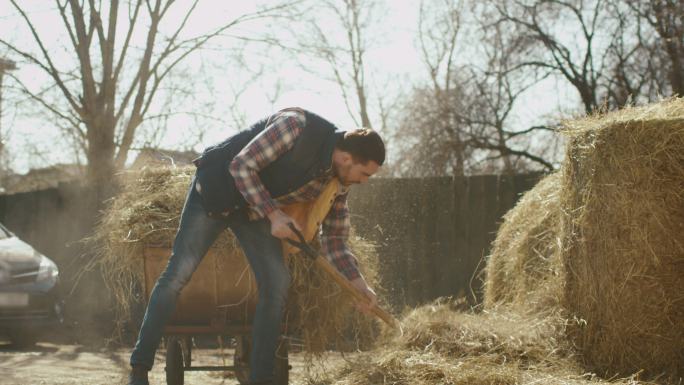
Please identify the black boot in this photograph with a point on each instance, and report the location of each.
(138, 376)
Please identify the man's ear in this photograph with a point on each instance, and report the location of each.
(346, 157)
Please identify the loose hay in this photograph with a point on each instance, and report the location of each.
(444, 344)
(623, 245)
(524, 267)
(322, 315)
(147, 212)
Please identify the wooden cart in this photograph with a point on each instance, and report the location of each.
(219, 300)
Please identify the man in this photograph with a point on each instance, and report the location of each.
(241, 184)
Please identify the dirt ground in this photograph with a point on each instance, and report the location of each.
(54, 364)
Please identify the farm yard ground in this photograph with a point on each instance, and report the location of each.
(56, 364)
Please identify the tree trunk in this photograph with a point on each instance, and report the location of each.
(100, 155)
(676, 76)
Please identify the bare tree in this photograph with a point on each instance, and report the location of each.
(605, 48)
(345, 59)
(438, 31)
(631, 72)
(494, 92)
(666, 17)
(112, 86)
(460, 121)
(578, 57)
(430, 131)
(5, 66)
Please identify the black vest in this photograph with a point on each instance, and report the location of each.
(309, 158)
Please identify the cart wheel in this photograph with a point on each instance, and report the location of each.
(174, 362)
(241, 358)
(282, 364)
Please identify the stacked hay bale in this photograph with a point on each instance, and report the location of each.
(602, 241)
(622, 194)
(524, 267)
(147, 211)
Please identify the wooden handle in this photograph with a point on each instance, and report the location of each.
(310, 215)
(349, 288)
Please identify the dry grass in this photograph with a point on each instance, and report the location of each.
(524, 267)
(622, 234)
(602, 241)
(323, 316)
(147, 212)
(594, 253)
(442, 343)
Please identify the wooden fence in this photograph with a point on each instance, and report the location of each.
(431, 233)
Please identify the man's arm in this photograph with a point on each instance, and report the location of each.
(334, 237)
(276, 139)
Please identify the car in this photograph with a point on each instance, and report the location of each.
(29, 295)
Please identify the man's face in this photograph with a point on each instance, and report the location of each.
(350, 172)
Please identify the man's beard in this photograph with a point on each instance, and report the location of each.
(341, 172)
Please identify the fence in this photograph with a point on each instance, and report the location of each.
(431, 233)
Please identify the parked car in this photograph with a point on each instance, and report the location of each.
(29, 300)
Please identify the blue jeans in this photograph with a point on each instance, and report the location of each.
(196, 233)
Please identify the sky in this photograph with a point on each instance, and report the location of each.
(393, 60)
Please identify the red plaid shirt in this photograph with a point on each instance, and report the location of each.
(277, 138)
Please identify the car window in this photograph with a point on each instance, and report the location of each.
(4, 233)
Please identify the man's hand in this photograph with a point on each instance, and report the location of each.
(361, 285)
(280, 225)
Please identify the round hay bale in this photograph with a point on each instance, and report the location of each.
(524, 268)
(622, 198)
(147, 211)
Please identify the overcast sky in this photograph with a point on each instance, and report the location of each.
(393, 62)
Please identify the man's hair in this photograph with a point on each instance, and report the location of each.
(364, 145)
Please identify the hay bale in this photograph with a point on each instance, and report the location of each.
(602, 241)
(442, 343)
(524, 268)
(622, 195)
(147, 211)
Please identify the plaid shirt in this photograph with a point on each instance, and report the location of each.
(277, 138)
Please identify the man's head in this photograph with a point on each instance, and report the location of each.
(358, 155)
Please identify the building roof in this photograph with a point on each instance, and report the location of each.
(159, 157)
(41, 178)
(51, 177)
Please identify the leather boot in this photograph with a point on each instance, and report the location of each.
(138, 376)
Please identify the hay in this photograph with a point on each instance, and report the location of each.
(622, 194)
(524, 267)
(323, 316)
(444, 344)
(601, 241)
(147, 211)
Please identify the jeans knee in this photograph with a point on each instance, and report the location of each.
(276, 287)
(176, 276)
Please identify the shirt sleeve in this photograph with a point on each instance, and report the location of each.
(334, 236)
(277, 138)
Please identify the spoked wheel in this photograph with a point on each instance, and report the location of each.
(174, 362)
(241, 361)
